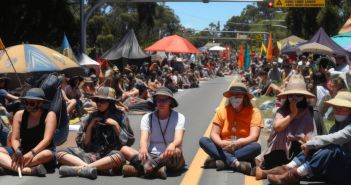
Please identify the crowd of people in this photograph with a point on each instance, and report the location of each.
(298, 147)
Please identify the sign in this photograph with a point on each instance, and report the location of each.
(299, 3)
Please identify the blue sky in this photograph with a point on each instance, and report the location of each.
(200, 15)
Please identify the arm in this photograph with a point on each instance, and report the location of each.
(88, 132)
(216, 138)
(144, 139)
(16, 128)
(11, 97)
(253, 137)
(281, 123)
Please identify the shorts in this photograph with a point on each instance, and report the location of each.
(87, 157)
(174, 163)
(49, 166)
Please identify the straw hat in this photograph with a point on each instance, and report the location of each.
(237, 88)
(296, 85)
(342, 99)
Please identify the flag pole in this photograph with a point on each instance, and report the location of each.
(2, 47)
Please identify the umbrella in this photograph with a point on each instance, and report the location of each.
(174, 44)
(28, 58)
(217, 48)
(314, 47)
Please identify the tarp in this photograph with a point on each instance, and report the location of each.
(343, 40)
(322, 38)
(217, 48)
(347, 26)
(174, 44)
(289, 41)
(127, 48)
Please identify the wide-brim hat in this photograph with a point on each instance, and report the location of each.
(105, 93)
(166, 92)
(88, 80)
(296, 85)
(35, 94)
(237, 88)
(342, 99)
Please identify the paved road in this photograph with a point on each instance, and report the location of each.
(198, 106)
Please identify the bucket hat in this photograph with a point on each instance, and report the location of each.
(296, 85)
(166, 92)
(105, 93)
(35, 94)
(237, 88)
(342, 99)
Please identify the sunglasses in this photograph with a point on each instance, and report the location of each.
(101, 101)
(30, 103)
(161, 101)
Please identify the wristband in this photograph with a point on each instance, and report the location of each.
(33, 153)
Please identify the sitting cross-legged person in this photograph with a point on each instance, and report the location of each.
(161, 140)
(99, 139)
(32, 148)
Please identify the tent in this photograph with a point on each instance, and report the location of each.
(289, 41)
(86, 62)
(217, 48)
(126, 51)
(343, 40)
(347, 26)
(322, 38)
(174, 44)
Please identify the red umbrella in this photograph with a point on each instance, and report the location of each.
(174, 44)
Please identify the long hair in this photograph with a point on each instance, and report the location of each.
(286, 104)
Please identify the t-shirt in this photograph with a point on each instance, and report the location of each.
(321, 93)
(3, 94)
(157, 145)
(237, 124)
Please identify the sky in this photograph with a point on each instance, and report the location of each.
(200, 15)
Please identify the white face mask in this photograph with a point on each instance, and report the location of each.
(341, 118)
(235, 101)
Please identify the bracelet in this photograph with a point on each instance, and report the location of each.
(33, 153)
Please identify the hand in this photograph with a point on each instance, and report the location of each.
(17, 159)
(170, 151)
(226, 145)
(110, 121)
(143, 153)
(293, 108)
(27, 159)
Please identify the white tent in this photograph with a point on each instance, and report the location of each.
(217, 48)
(85, 60)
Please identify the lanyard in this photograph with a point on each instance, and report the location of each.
(164, 132)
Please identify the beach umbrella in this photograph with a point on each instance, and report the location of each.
(315, 48)
(27, 58)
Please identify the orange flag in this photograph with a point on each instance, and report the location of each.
(270, 48)
(241, 57)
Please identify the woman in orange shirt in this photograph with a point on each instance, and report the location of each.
(235, 131)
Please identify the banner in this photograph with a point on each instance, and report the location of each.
(241, 57)
(270, 48)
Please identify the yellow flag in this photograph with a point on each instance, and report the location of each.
(2, 46)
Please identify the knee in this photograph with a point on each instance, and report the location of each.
(203, 141)
(60, 154)
(124, 150)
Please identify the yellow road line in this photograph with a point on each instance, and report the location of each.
(195, 170)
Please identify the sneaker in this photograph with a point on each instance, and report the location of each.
(161, 173)
(88, 172)
(210, 163)
(39, 171)
(130, 171)
(245, 168)
(68, 171)
(220, 165)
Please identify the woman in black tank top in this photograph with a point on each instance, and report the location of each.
(32, 147)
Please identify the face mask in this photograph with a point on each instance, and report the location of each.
(341, 118)
(32, 109)
(235, 101)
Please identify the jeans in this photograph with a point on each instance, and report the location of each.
(245, 153)
(329, 164)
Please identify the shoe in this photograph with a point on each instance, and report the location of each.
(88, 172)
(244, 167)
(68, 171)
(262, 174)
(161, 173)
(289, 177)
(39, 171)
(130, 171)
(149, 166)
(220, 165)
(2, 171)
(210, 163)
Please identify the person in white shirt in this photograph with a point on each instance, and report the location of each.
(162, 133)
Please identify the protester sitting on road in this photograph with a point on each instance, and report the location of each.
(72, 91)
(5, 95)
(32, 148)
(88, 90)
(235, 131)
(162, 133)
(99, 138)
(324, 157)
(141, 103)
(293, 122)
(71, 103)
